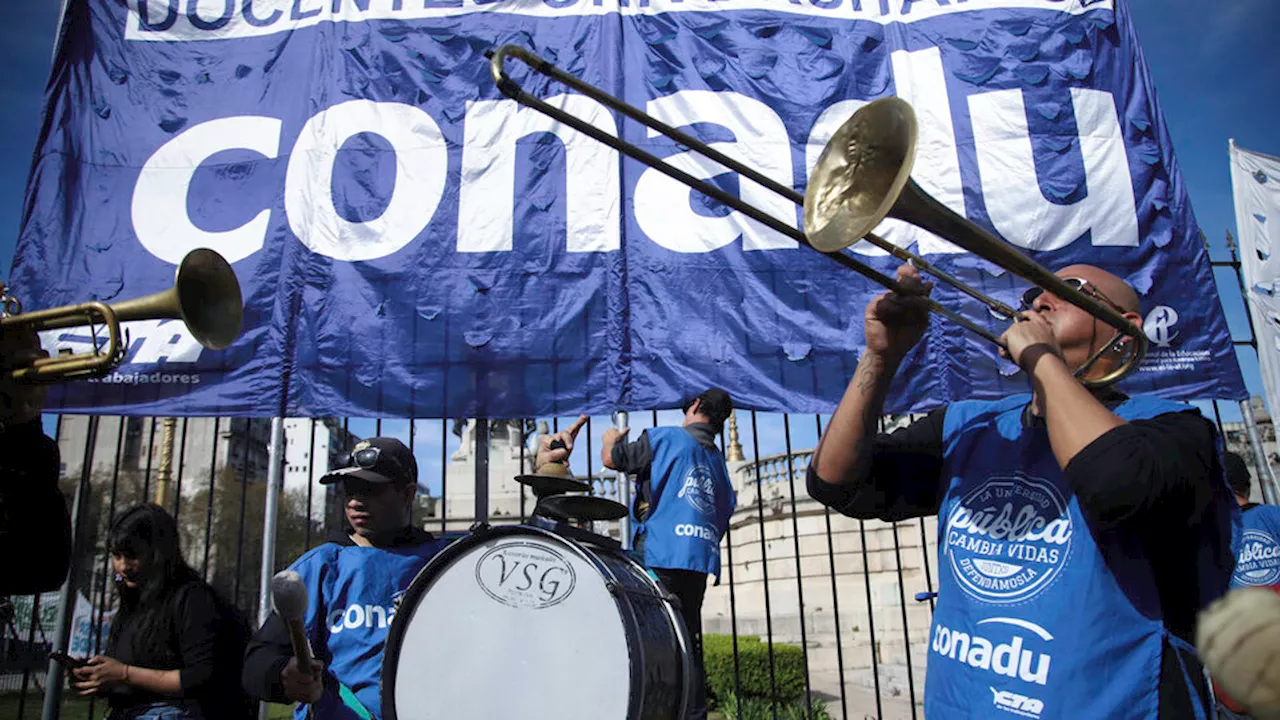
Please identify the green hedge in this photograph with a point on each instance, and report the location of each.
(753, 669)
(758, 709)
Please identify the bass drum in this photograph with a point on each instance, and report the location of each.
(521, 622)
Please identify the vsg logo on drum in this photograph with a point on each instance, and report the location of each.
(525, 575)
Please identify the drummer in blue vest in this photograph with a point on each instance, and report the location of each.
(352, 583)
(682, 505)
(1079, 530)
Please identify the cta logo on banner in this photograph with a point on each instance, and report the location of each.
(409, 241)
(159, 352)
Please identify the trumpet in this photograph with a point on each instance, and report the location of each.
(862, 177)
(205, 296)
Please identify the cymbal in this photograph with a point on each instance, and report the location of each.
(580, 507)
(546, 485)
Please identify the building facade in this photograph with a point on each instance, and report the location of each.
(198, 450)
(311, 449)
(1236, 437)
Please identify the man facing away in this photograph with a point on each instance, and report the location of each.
(683, 502)
(1080, 530)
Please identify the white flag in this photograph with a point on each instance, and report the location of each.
(1255, 180)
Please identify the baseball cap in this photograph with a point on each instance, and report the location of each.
(1237, 474)
(714, 397)
(377, 460)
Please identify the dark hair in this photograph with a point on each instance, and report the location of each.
(716, 405)
(150, 534)
(1237, 474)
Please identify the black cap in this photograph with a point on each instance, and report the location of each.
(1237, 474)
(714, 397)
(716, 406)
(377, 460)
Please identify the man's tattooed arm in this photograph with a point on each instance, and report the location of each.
(845, 450)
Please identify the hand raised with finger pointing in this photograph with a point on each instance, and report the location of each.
(557, 447)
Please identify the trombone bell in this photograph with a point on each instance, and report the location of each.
(860, 173)
(864, 176)
(205, 296)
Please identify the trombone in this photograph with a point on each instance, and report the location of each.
(205, 296)
(863, 176)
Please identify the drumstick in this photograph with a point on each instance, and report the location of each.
(289, 600)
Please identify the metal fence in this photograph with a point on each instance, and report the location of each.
(854, 596)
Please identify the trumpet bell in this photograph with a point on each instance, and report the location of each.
(209, 298)
(205, 296)
(860, 174)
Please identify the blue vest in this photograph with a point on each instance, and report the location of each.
(690, 501)
(1258, 558)
(1038, 614)
(352, 592)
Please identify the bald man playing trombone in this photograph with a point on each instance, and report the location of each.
(1079, 529)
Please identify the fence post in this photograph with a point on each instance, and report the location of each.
(275, 485)
(620, 421)
(67, 600)
(1266, 478)
(482, 470)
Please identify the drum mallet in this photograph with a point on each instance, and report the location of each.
(289, 600)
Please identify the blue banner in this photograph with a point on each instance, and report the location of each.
(411, 242)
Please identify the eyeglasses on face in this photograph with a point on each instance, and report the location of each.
(1032, 294)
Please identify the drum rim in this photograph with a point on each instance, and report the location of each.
(417, 588)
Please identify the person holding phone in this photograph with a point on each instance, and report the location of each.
(175, 647)
(69, 662)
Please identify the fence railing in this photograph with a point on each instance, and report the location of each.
(843, 591)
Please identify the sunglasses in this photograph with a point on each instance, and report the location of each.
(1031, 295)
(367, 458)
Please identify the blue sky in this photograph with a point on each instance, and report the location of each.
(1216, 68)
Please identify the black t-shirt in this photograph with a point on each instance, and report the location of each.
(206, 643)
(1150, 478)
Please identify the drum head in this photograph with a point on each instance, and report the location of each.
(580, 507)
(514, 624)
